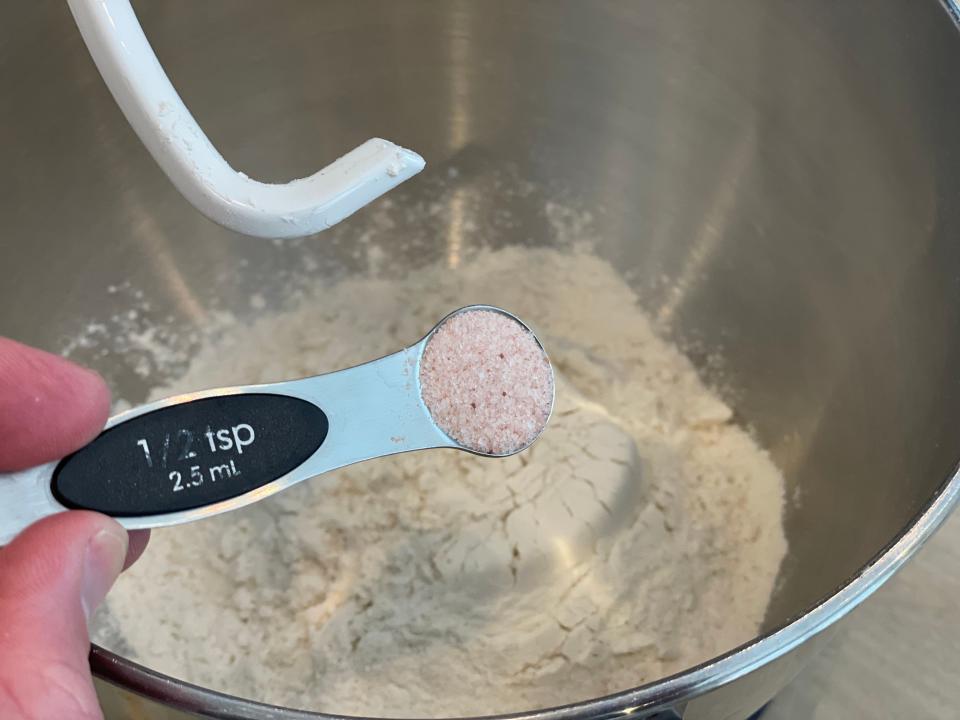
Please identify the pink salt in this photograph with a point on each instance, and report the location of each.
(487, 382)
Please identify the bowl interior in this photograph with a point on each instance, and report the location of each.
(779, 181)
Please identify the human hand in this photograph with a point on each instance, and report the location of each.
(56, 572)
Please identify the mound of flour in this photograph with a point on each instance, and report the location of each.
(642, 534)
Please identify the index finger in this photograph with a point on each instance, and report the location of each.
(49, 406)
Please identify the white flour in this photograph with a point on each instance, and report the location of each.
(641, 535)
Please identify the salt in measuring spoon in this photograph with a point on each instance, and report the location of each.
(479, 381)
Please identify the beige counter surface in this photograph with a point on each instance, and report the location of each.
(898, 656)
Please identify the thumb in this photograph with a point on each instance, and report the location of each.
(52, 577)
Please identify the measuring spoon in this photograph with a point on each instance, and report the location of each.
(200, 454)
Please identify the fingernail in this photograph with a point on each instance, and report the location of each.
(102, 563)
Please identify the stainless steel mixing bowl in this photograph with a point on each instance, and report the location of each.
(780, 181)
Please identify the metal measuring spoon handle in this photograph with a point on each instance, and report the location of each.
(200, 454)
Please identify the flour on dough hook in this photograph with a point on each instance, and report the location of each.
(157, 114)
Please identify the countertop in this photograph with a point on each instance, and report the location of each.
(898, 656)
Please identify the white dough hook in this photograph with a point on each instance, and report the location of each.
(153, 108)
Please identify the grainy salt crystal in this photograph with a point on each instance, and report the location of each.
(487, 382)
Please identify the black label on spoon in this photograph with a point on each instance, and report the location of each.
(191, 454)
